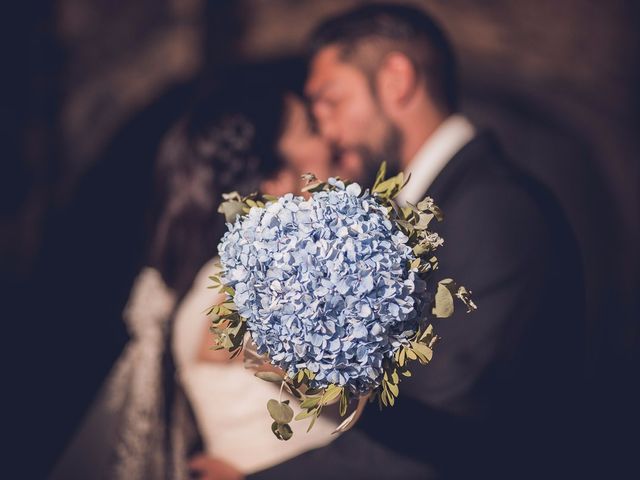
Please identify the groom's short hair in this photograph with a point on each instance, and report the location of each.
(367, 34)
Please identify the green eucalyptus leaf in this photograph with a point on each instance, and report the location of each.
(423, 221)
(313, 420)
(344, 403)
(411, 208)
(285, 431)
(310, 402)
(280, 411)
(305, 414)
(331, 393)
(402, 356)
(393, 389)
(269, 376)
(427, 333)
(313, 187)
(309, 178)
(293, 390)
(382, 172)
(423, 350)
(427, 205)
(274, 429)
(231, 209)
(465, 297)
(443, 307)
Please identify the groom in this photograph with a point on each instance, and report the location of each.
(497, 400)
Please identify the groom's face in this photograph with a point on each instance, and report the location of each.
(348, 113)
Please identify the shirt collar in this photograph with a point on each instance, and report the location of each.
(450, 136)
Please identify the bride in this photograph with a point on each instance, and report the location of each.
(169, 396)
(228, 401)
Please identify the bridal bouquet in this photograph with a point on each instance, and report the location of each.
(333, 291)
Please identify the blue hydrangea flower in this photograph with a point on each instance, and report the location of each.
(324, 284)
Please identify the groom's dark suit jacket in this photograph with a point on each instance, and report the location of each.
(499, 398)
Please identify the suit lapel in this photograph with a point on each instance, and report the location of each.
(480, 149)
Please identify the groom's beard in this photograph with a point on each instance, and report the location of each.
(388, 152)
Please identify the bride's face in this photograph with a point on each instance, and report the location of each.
(302, 150)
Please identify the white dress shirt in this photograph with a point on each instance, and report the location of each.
(447, 140)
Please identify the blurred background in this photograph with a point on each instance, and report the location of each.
(91, 86)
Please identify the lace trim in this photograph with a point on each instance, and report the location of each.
(137, 379)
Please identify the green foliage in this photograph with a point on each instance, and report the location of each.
(235, 205)
(414, 221)
(270, 377)
(281, 412)
(282, 431)
(444, 299)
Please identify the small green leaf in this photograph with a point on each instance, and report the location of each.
(293, 390)
(382, 172)
(465, 297)
(423, 221)
(307, 414)
(308, 178)
(313, 187)
(443, 307)
(310, 402)
(269, 376)
(402, 356)
(428, 332)
(427, 205)
(285, 431)
(423, 351)
(280, 411)
(274, 429)
(344, 402)
(313, 420)
(393, 389)
(231, 209)
(331, 393)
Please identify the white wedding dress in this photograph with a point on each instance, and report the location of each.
(229, 402)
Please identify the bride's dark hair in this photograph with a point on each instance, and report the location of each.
(226, 143)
